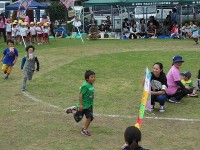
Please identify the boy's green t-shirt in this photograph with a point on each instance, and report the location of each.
(87, 90)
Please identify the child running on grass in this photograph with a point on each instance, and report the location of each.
(29, 61)
(85, 104)
(9, 58)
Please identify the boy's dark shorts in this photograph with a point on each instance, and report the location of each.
(87, 112)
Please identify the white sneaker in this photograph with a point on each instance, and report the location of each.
(69, 109)
(152, 107)
(162, 109)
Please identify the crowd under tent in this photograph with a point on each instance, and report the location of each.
(146, 4)
(34, 7)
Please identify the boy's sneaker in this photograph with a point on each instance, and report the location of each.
(174, 100)
(6, 78)
(193, 95)
(162, 109)
(23, 88)
(69, 109)
(85, 132)
(152, 107)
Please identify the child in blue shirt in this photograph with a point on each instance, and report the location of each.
(9, 58)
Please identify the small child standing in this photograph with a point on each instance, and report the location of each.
(85, 105)
(8, 28)
(29, 61)
(46, 33)
(32, 33)
(187, 82)
(14, 30)
(9, 58)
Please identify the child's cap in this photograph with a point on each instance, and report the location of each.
(48, 22)
(38, 22)
(177, 59)
(20, 21)
(15, 20)
(23, 23)
(14, 23)
(26, 23)
(45, 24)
(31, 22)
(186, 74)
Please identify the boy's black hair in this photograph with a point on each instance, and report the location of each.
(198, 74)
(10, 41)
(88, 73)
(30, 46)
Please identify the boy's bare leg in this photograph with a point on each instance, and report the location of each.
(87, 123)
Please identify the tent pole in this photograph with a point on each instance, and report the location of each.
(121, 21)
(181, 20)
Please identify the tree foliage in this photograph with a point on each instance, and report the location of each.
(57, 11)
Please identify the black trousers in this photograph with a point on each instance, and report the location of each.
(180, 93)
(3, 30)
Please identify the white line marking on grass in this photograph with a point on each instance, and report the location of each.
(37, 100)
(110, 116)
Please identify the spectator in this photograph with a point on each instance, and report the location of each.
(86, 25)
(77, 25)
(142, 28)
(133, 32)
(176, 33)
(108, 23)
(174, 16)
(60, 32)
(158, 86)
(195, 34)
(167, 25)
(151, 30)
(186, 30)
(3, 26)
(155, 22)
(132, 136)
(176, 90)
(125, 25)
(93, 32)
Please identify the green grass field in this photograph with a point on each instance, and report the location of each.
(35, 119)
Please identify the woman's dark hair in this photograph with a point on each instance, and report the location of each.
(173, 10)
(30, 46)
(160, 66)
(132, 136)
(88, 73)
(198, 74)
(141, 20)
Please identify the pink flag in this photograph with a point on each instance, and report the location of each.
(68, 3)
(25, 3)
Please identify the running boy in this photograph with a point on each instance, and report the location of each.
(9, 58)
(85, 104)
(29, 61)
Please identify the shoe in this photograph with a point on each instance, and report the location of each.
(6, 78)
(152, 107)
(162, 109)
(173, 100)
(85, 132)
(23, 88)
(193, 95)
(69, 109)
